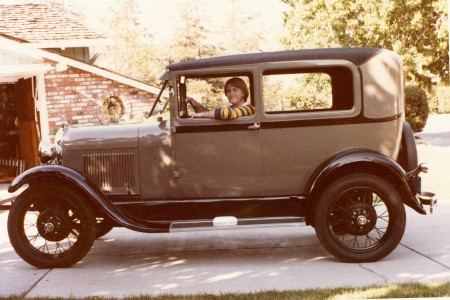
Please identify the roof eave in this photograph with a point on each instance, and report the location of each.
(62, 44)
(22, 49)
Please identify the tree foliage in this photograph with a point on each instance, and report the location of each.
(137, 54)
(197, 37)
(190, 40)
(131, 52)
(236, 40)
(416, 29)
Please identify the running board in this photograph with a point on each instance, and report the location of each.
(227, 223)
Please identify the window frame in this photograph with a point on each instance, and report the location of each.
(293, 66)
(212, 73)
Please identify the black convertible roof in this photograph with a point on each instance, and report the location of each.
(354, 55)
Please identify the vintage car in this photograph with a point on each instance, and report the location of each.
(327, 146)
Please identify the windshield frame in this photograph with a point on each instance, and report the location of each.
(158, 99)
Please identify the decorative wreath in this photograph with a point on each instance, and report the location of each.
(112, 109)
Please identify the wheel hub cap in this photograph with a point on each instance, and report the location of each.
(363, 219)
(53, 225)
(49, 227)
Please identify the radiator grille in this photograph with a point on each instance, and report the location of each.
(110, 170)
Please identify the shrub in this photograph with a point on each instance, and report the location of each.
(416, 107)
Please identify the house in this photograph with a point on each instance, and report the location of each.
(47, 78)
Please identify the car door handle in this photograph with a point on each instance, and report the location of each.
(255, 126)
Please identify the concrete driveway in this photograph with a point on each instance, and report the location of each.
(125, 263)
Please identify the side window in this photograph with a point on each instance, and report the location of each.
(208, 91)
(321, 89)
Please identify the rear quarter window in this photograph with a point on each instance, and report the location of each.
(306, 90)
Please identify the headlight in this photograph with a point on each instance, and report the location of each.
(49, 154)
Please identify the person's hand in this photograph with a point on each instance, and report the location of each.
(195, 105)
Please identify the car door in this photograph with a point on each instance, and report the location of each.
(214, 158)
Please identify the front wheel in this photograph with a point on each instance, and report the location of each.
(360, 218)
(51, 227)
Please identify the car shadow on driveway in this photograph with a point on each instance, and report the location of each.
(122, 241)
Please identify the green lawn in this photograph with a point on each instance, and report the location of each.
(406, 290)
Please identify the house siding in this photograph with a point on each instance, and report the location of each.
(76, 96)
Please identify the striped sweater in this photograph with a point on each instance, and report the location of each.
(230, 113)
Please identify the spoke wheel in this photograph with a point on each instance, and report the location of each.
(360, 218)
(51, 227)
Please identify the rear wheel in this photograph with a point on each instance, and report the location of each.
(360, 218)
(51, 227)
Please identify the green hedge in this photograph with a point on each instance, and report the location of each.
(416, 107)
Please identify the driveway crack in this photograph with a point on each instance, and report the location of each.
(426, 256)
(384, 278)
(35, 284)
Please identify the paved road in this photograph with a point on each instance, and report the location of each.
(125, 263)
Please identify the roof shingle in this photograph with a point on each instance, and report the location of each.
(40, 23)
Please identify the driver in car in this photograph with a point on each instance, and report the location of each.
(237, 93)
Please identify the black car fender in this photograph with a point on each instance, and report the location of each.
(55, 173)
(407, 156)
(363, 161)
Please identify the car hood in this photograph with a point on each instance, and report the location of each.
(116, 136)
(101, 137)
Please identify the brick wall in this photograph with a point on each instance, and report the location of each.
(76, 96)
